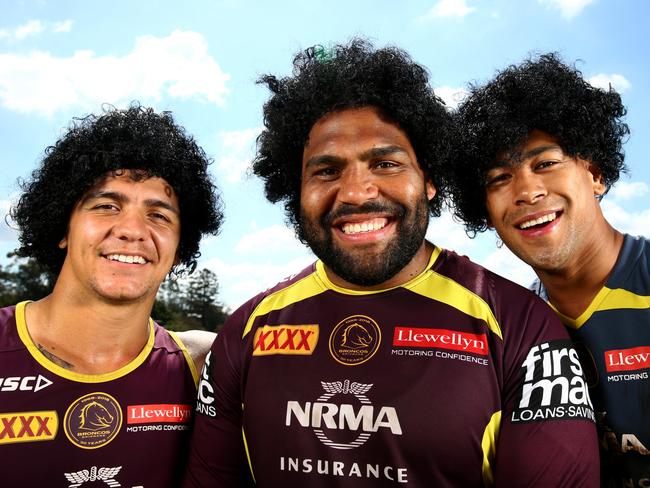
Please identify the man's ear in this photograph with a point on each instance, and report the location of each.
(431, 190)
(63, 243)
(597, 177)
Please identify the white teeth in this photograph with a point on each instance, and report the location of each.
(364, 226)
(546, 218)
(123, 258)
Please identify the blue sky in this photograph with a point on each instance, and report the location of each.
(61, 59)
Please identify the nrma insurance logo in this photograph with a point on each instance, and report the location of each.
(553, 386)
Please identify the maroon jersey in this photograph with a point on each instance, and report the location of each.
(455, 378)
(127, 428)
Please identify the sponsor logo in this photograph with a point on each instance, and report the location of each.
(553, 385)
(107, 475)
(441, 339)
(627, 359)
(93, 420)
(354, 340)
(285, 339)
(24, 383)
(343, 425)
(324, 467)
(205, 400)
(164, 413)
(28, 426)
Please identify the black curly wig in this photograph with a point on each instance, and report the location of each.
(543, 94)
(356, 75)
(94, 146)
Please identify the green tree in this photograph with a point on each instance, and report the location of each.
(201, 300)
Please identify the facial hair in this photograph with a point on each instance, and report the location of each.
(365, 268)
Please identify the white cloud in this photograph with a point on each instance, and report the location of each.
(237, 147)
(178, 66)
(568, 8)
(506, 264)
(635, 223)
(628, 191)
(268, 240)
(618, 82)
(446, 233)
(448, 8)
(241, 281)
(452, 96)
(30, 28)
(63, 26)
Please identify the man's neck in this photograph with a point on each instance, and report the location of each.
(88, 336)
(572, 288)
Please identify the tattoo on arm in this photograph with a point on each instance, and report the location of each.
(55, 359)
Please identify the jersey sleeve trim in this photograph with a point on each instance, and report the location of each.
(606, 299)
(307, 287)
(489, 445)
(445, 290)
(186, 354)
(248, 455)
(23, 333)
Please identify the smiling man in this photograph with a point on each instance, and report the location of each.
(389, 361)
(92, 390)
(539, 148)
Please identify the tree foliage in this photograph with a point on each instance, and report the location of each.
(180, 304)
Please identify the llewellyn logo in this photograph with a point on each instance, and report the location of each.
(627, 359)
(285, 339)
(351, 424)
(158, 413)
(440, 339)
(354, 340)
(553, 385)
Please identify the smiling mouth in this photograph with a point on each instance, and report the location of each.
(364, 226)
(541, 221)
(123, 258)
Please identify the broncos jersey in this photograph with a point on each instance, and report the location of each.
(455, 378)
(613, 339)
(128, 428)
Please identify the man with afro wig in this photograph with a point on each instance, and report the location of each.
(538, 149)
(389, 361)
(92, 389)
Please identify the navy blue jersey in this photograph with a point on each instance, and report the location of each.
(455, 378)
(613, 339)
(59, 428)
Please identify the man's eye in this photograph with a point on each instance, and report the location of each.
(497, 179)
(385, 164)
(327, 172)
(160, 216)
(105, 206)
(545, 164)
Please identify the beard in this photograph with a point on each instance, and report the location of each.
(368, 268)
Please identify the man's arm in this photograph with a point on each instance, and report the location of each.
(197, 343)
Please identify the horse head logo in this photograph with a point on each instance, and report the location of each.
(95, 416)
(356, 336)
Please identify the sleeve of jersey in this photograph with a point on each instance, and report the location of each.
(547, 434)
(217, 455)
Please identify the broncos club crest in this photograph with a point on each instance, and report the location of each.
(93, 420)
(354, 340)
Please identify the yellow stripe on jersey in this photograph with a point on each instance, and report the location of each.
(23, 332)
(607, 299)
(307, 287)
(489, 445)
(248, 454)
(188, 357)
(443, 289)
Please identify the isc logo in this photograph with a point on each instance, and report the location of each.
(25, 383)
(28, 426)
(285, 339)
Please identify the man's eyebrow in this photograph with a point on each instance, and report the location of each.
(516, 158)
(374, 153)
(121, 197)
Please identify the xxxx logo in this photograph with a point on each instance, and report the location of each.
(28, 426)
(285, 339)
